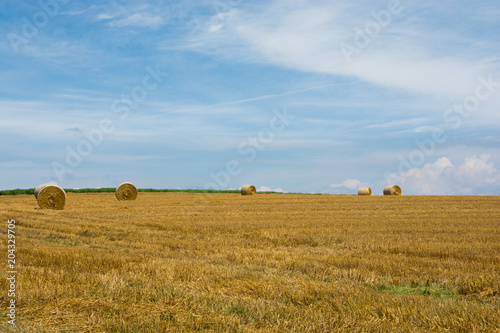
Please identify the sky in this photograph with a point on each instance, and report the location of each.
(291, 96)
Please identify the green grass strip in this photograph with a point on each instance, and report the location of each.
(111, 189)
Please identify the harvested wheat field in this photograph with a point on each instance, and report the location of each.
(184, 262)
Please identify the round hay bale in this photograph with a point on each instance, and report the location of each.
(126, 191)
(248, 190)
(364, 191)
(38, 188)
(51, 197)
(392, 190)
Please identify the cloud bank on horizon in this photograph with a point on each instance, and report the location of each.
(297, 96)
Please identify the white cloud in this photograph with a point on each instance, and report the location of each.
(268, 189)
(477, 171)
(475, 175)
(351, 184)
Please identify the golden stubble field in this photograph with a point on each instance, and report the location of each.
(186, 262)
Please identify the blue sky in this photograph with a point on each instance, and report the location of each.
(296, 96)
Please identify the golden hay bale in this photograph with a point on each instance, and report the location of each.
(364, 191)
(51, 197)
(126, 191)
(248, 190)
(392, 190)
(38, 188)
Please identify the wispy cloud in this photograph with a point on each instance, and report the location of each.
(139, 20)
(307, 36)
(134, 15)
(103, 16)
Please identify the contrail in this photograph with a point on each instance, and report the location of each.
(292, 92)
(258, 98)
